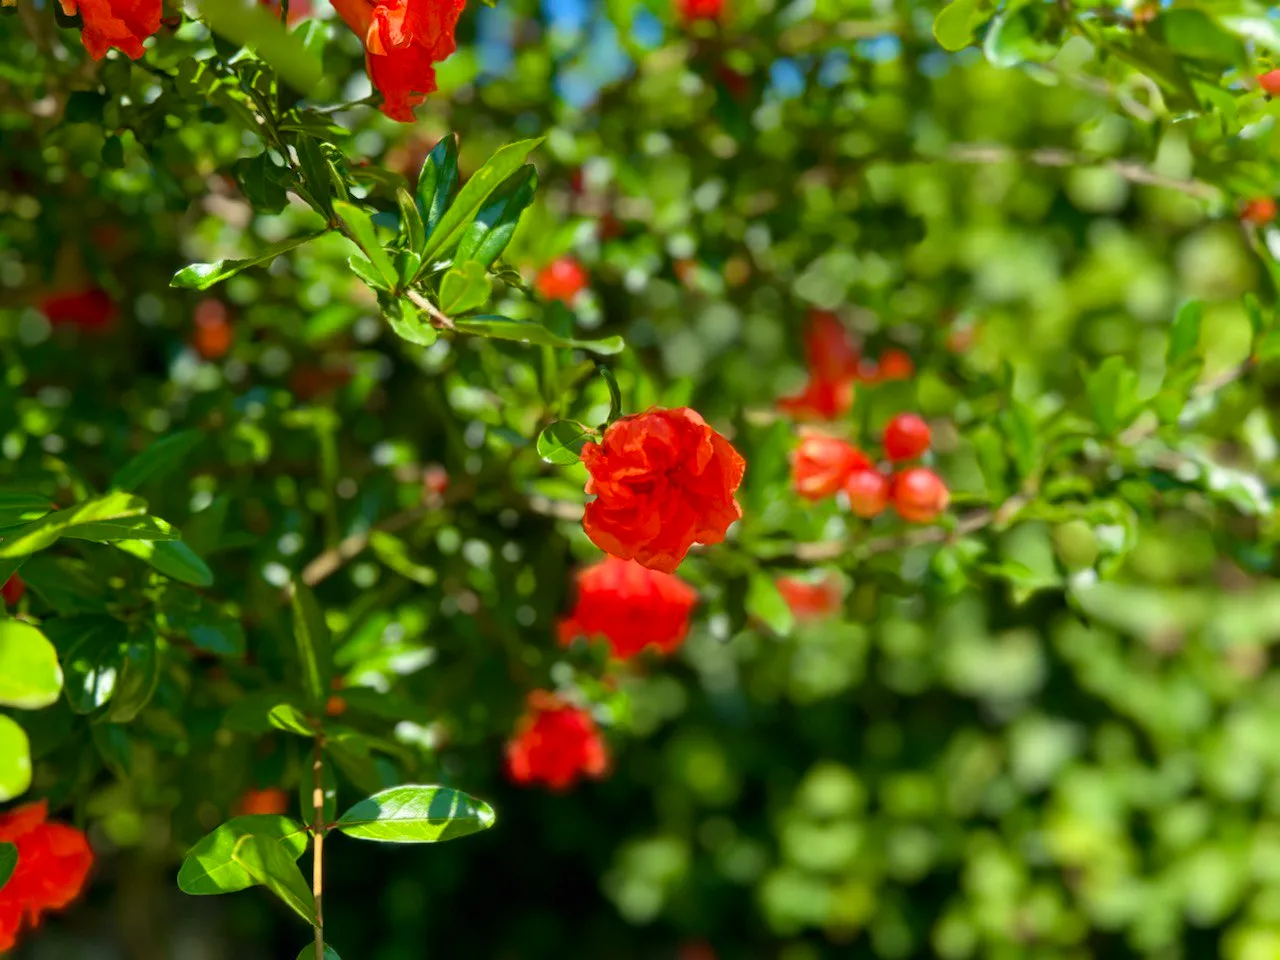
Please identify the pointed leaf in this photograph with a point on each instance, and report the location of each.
(311, 634)
(411, 226)
(561, 443)
(252, 25)
(92, 653)
(366, 238)
(209, 868)
(437, 181)
(464, 288)
(202, 276)
(287, 717)
(156, 460)
(1184, 335)
(30, 677)
(173, 558)
(471, 198)
(526, 331)
(416, 814)
(139, 675)
(487, 236)
(44, 532)
(271, 865)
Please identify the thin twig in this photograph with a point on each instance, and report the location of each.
(1131, 170)
(317, 829)
(438, 319)
(331, 560)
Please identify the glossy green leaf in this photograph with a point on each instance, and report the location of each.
(366, 238)
(448, 231)
(185, 613)
(526, 331)
(139, 675)
(209, 867)
(408, 324)
(269, 864)
(436, 183)
(488, 235)
(412, 229)
(311, 635)
(15, 760)
(263, 182)
(202, 276)
(287, 717)
(18, 507)
(157, 460)
(1017, 36)
(464, 288)
(173, 558)
(92, 652)
(255, 26)
(416, 814)
(8, 861)
(30, 677)
(315, 172)
(955, 24)
(42, 533)
(561, 442)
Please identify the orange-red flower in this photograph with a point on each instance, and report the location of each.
(122, 24)
(821, 465)
(833, 368)
(630, 606)
(270, 800)
(691, 10)
(403, 40)
(555, 743)
(53, 862)
(13, 589)
(663, 481)
(88, 309)
(809, 601)
(562, 279)
(214, 334)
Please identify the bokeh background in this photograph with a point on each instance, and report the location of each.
(986, 754)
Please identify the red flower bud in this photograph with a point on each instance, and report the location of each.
(13, 590)
(868, 493)
(919, 495)
(906, 437)
(562, 279)
(1259, 211)
(1270, 82)
(821, 465)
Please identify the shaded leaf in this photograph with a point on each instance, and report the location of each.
(157, 460)
(311, 634)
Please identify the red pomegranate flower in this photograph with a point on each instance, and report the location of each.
(691, 10)
(919, 495)
(1270, 82)
(270, 800)
(555, 743)
(562, 279)
(403, 40)
(810, 601)
(833, 368)
(1259, 211)
(821, 465)
(630, 606)
(122, 24)
(88, 309)
(53, 862)
(663, 481)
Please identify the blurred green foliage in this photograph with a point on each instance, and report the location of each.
(1046, 728)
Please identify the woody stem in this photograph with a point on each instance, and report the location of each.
(317, 827)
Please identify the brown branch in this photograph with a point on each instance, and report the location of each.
(1131, 170)
(327, 563)
(317, 828)
(438, 319)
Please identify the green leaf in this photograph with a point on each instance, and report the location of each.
(448, 231)
(20, 507)
(309, 953)
(1184, 335)
(1017, 36)
(268, 864)
(1112, 392)
(366, 238)
(42, 533)
(262, 181)
(173, 558)
(139, 675)
(615, 394)
(404, 319)
(315, 172)
(92, 653)
(252, 25)
(414, 814)
(315, 655)
(202, 276)
(287, 717)
(436, 183)
(955, 24)
(114, 746)
(1260, 30)
(113, 153)
(1193, 33)
(487, 236)
(464, 288)
(30, 677)
(394, 552)
(157, 460)
(1019, 426)
(561, 442)
(412, 228)
(765, 602)
(8, 861)
(122, 528)
(15, 760)
(209, 868)
(526, 331)
(366, 271)
(187, 614)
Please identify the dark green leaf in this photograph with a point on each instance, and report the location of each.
(157, 460)
(526, 331)
(365, 236)
(263, 182)
(202, 276)
(85, 106)
(92, 653)
(561, 442)
(412, 229)
(487, 236)
(8, 862)
(30, 677)
(173, 558)
(437, 181)
(315, 172)
(615, 394)
(311, 634)
(113, 153)
(414, 814)
(464, 288)
(448, 231)
(139, 674)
